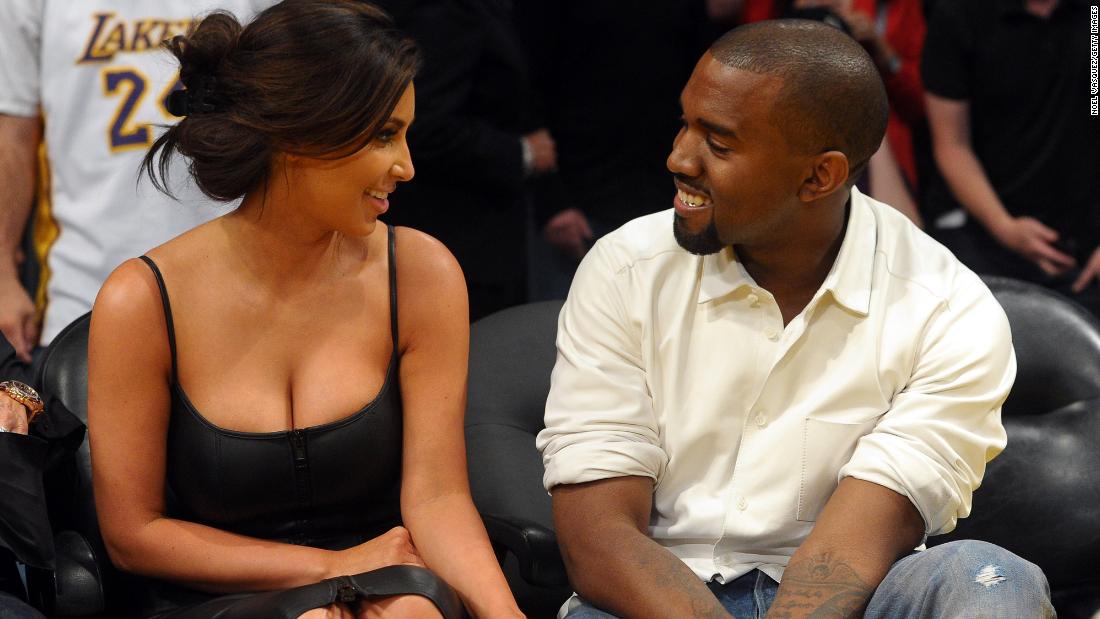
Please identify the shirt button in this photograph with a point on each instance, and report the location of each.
(761, 420)
(742, 504)
(753, 300)
(772, 334)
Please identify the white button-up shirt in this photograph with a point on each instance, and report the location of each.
(679, 368)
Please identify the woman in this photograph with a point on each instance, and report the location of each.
(228, 368)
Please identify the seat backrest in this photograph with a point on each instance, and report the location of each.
(1057, 346)
(63, 376)
(512, 353)
(85, 580)
(1040, 497)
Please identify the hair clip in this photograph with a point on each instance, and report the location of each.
(195, 98)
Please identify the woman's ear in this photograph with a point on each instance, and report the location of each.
(828, 174)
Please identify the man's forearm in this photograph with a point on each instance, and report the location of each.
(821, 585)
(632, 576)
(18, 147)
(969, 183)
(863, 529)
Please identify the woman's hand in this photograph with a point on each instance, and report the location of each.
(394, 547)
(332, 611)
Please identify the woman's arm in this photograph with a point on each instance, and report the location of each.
(128, 410)
(435, 493)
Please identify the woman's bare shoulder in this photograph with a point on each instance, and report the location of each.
(424, 261)
(430, 282)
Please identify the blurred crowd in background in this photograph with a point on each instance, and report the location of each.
(542, 125)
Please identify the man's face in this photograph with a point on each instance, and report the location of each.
(737, 179)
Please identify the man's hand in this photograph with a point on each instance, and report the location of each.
(13, 415)
(568, 231)
(1031, 239)
(17, 316)
(1089, 273)
(544, 149)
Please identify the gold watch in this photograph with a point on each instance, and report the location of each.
(25, 395)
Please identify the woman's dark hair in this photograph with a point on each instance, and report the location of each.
(317, 78)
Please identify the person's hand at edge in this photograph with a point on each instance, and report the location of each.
(1033, 240)
(13, 415)
(544, 152)
(17, 315)
(1089, 273)
(569, 232)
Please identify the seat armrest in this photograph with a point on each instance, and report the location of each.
(78, 582)
(535, 548)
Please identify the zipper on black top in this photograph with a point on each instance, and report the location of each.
(303, 489)
(298, 445)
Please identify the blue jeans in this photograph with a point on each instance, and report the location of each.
(961, 579)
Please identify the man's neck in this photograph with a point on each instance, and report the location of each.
(794, 271)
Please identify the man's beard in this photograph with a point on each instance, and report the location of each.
(700, 243)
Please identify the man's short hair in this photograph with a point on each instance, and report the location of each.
(832, 97)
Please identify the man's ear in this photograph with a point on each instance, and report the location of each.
(828, 173)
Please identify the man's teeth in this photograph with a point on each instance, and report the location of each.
(691, 199)
(381, 195)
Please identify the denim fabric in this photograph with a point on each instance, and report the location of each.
(963, 579)
(12, 607)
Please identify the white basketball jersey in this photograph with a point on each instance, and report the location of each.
(95, 71)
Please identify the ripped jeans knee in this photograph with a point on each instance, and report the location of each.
(966, 578)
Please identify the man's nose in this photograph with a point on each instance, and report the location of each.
(682, 160)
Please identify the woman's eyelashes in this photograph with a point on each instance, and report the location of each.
(386, 136)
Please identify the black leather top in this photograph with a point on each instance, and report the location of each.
(330, 486)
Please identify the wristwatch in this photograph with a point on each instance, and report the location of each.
(25, 395)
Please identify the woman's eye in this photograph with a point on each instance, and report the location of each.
(386, 136)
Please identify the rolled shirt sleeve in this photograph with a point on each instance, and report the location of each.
(945, 425)
(600, 421)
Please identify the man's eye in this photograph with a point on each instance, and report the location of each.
(716, 148)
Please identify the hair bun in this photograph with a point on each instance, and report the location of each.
(202, 51)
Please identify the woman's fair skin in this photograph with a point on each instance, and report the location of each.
(281, 313)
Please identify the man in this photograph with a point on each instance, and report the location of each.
(94, 72)
(791, 384)
(1015, 141)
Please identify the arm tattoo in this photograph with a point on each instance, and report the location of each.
(821, 587)
(676, 579)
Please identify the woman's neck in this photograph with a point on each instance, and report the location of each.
(285, 249)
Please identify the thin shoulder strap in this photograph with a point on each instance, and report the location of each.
(393, 286)
(167, 311)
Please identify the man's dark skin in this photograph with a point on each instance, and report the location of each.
(783, 210)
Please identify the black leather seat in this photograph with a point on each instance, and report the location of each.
(511, 355)
(1040, 498)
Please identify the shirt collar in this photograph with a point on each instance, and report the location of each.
(849, 280)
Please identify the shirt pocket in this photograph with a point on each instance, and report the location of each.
(826, 447)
